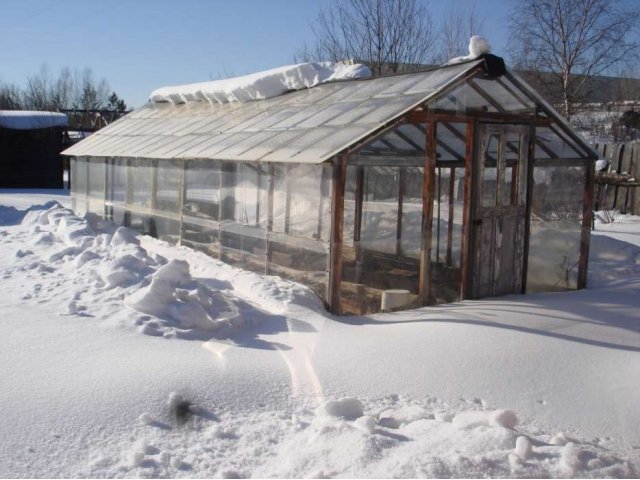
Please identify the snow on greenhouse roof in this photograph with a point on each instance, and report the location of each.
(305, 126)
(31, 120)
(261, 85)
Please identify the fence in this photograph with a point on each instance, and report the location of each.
(617, 188)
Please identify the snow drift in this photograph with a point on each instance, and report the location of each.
(111, 260)
(261, 85)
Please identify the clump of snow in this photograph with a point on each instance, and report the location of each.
(523, 449)
(261, 85)
(504, 418)
(31, 120)
(347, 408)
(477, 46)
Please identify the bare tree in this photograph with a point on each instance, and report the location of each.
(386, 35)
(38, 90)
(456, 28)
(10, 97)
(571, 41)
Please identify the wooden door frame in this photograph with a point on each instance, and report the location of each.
(472, 196)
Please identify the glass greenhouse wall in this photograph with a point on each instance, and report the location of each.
(480, 191)
(266, 218)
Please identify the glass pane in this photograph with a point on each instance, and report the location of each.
(379, 231)
(556, 225)
(202, 183)
(411, 231)
(95, 203)
(140, 176)
(512, 190)
(79, 184)
(168, 186)
(490, 170)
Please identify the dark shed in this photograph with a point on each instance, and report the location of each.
(30, 146)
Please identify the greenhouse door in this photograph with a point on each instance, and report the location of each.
(499, 212)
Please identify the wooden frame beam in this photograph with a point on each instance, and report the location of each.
(587, 218)
(427, 213)
(337, 226)
(467, 218)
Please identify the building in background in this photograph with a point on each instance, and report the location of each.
(30, 146)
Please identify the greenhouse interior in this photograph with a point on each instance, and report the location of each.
(379, 194)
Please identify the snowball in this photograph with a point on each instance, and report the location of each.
(366, 423)
(174, 400)
(523, 448)
(571, 459)
(145, 419)
(559, 439)
(503, 418)
(478, 46)
(261, 85)
(347, 408)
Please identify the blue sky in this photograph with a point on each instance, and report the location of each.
(140, 45)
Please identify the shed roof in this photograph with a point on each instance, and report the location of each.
(31, 120)
(306, 126)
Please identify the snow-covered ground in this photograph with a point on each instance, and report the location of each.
(123, 356)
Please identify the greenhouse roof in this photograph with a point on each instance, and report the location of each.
(305, 126)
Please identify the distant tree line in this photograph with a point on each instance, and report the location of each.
(567, 41)
(69, 90)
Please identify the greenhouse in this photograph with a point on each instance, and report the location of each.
(380, 193)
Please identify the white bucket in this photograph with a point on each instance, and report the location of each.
(395, 299)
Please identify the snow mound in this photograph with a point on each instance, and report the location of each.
(183, 303)
(111, 261)
(477, 46)
(261, 85)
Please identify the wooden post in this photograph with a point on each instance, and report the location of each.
(427, 211)
(452, 186)
(268, 247)
(337, 224)
(469, 176)
(531, 148)
(130, 164)
(401, 187)
(587, 213)
(182, 197)
(357, 222)
(287, 200)
(323, 195)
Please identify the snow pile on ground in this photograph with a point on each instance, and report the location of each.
(477, 46)
(242, 375)
(390, 437)
(261, 85)
(107, 262)
(31, 120)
